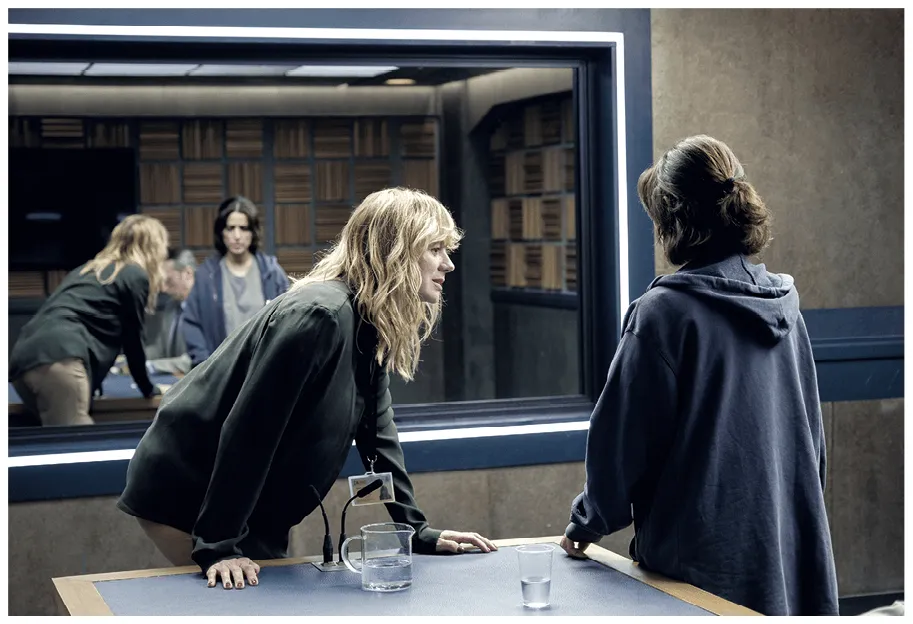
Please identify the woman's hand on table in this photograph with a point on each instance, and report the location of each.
(233, 572)
(460, 542)
(574, 549)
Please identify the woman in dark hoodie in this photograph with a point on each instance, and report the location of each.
(708, 433)
(232, 284)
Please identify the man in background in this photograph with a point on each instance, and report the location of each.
(163, 341)
(166, 352)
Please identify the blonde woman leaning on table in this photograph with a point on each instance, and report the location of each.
(63, 353)
(224, 472)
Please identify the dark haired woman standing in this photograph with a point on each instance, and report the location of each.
(708, 433)
(232, 284)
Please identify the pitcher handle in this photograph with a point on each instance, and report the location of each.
(344, 553)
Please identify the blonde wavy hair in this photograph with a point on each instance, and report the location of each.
(139, 240)
(377, 254)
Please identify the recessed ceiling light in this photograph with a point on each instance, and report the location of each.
(333, 71)
(47, 69)
(138, 69)
(241, 70)
(399, 82)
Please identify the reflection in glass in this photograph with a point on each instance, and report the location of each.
(496, 146)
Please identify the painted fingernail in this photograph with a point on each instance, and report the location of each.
(227, 585)
(212, 583)
(253, 582)
(240, 585)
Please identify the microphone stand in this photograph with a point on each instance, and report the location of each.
(328, 565)
(371, 487)
(327, 539)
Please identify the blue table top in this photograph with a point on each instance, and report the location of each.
(466, 585)
(114, 387)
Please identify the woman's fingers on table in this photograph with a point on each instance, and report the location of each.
(250, 572)
(445, 545)
(574, 549)
(218, 570)
(237, 576)
(457, 541)
(232, 573)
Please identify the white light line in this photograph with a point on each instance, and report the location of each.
(408, 437)
(488, 432)
(623, 260)
(345, 34)
(69, 458)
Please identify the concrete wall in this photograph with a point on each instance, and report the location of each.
(811, 101)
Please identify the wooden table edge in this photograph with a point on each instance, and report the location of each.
(80, 590)
(78, 596)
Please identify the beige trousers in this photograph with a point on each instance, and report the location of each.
(58, 393)
(171, 542)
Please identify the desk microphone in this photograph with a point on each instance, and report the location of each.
(327, 540)
(371, 487)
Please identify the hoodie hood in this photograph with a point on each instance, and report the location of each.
(767, 303)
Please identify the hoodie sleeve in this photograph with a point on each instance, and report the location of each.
(286, 359)
(390, 459)
(281, 278)
(636, 407)
(192, 328)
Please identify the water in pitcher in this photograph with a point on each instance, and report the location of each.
(535, 591)
(387, 574)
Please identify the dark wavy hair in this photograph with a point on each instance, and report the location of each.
(701, 204)
(241, 204)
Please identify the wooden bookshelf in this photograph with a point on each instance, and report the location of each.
(531, 181)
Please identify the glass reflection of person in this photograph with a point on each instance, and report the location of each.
(217, 479)
(166, 350)
(64, 352)
(234, 283)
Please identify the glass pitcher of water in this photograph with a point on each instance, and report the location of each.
(386, 556)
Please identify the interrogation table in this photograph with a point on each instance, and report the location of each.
(467, 584)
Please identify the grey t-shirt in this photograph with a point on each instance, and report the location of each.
(242, 297)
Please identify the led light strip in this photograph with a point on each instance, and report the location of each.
(399, 34)
(405, 438)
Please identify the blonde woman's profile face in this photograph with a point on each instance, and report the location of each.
(434, 265)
